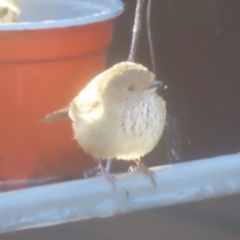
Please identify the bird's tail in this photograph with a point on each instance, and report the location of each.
(56, 116)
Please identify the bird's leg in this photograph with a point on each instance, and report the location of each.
(142, 168)
(105, 173)
(108, 165)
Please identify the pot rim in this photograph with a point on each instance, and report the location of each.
(108, 9)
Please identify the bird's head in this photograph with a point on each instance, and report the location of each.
(127, 80)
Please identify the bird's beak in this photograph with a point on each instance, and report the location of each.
(155, 84)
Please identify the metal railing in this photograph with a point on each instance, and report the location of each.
(96, 197)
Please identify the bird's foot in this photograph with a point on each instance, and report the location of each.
(105, 173)
(94, 171)
(109, 176)
(143, 169)
(91, 172)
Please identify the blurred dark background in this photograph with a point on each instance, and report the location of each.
(197, 49)
(197, 52)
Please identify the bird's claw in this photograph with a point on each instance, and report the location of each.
(145, 170)
(111, 177)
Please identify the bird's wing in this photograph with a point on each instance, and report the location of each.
(3, 11)
(10, 5)
(86, 104)
(9, 11)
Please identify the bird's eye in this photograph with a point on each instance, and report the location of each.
(131, 88)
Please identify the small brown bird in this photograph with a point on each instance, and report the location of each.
(118, 115)
(9, 11)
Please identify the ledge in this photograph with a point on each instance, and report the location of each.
(96, 197)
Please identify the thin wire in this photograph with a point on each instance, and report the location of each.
(136, 30)
(149, 32)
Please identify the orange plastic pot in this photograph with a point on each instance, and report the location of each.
(45, 60)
